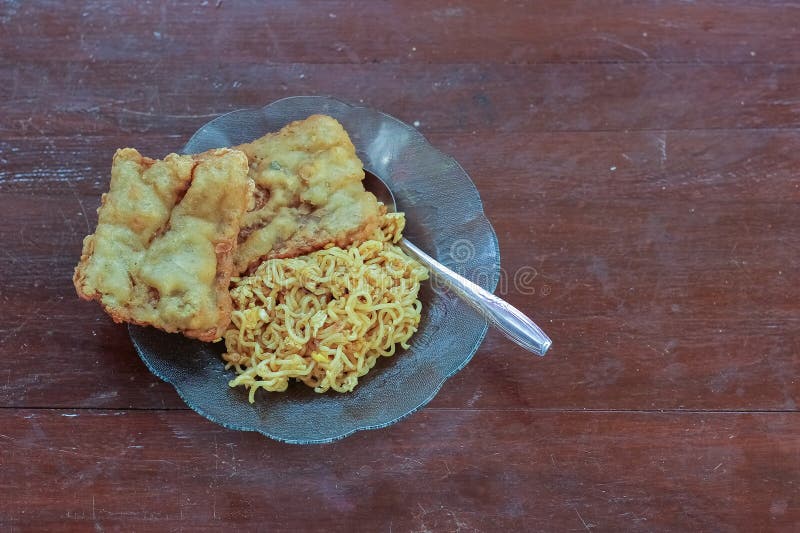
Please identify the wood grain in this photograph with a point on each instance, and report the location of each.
(639, 162)
(722, 167)
(141, 97)
(706, 471)
(413, 31)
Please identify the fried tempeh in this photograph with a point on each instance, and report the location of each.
(308, 194)
(162, 253)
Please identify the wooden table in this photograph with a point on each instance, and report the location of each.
(643, 158)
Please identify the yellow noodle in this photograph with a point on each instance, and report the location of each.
(326, 317)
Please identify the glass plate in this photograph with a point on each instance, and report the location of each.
(444, 217)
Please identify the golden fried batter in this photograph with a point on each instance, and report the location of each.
(163, 249)
(308, 193)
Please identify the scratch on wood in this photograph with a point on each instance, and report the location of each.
(273, 38)
(100, 107)
(94, 457)
(585, 525)
(72, 189)
(447, 471)
(13, 331)
(351, 55)
(625, 45)
(167, 115)
(10, 256)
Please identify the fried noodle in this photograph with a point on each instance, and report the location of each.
(326, 317)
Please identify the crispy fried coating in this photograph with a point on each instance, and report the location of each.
(162, 253)
(308, 194)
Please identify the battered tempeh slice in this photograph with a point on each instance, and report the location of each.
(309, 193)
(162, 253)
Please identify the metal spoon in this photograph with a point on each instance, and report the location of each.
(500, 314)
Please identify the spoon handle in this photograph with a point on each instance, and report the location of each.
(508, 319)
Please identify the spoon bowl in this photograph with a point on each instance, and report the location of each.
(382, 192)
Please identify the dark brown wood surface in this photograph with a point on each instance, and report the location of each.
(643, 158)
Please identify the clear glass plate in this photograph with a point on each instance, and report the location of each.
(444, 217)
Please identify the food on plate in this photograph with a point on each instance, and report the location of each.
(324, 318)
(308, 193)
(162, 253)
(321, 288)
